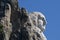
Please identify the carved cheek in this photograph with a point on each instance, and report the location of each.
(40, 22)
(34, 20)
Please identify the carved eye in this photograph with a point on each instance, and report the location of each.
(42, 18)
(7, 7)
(44, 22)
(39, 17)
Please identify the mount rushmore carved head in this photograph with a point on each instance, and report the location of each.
(38, 20)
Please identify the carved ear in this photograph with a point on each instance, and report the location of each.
(7, 7)
(8, 11)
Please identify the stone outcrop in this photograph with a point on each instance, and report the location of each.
(18, 24)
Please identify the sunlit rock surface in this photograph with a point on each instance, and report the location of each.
(38, 25)
(19, 24)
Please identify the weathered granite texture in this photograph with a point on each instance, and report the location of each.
(18, 24)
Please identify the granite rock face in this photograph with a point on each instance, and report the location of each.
(18, 24)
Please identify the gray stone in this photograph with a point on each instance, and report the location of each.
(18, 24)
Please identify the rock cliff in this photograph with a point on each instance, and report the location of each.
(18, 24)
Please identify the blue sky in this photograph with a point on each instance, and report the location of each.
(51, 9)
